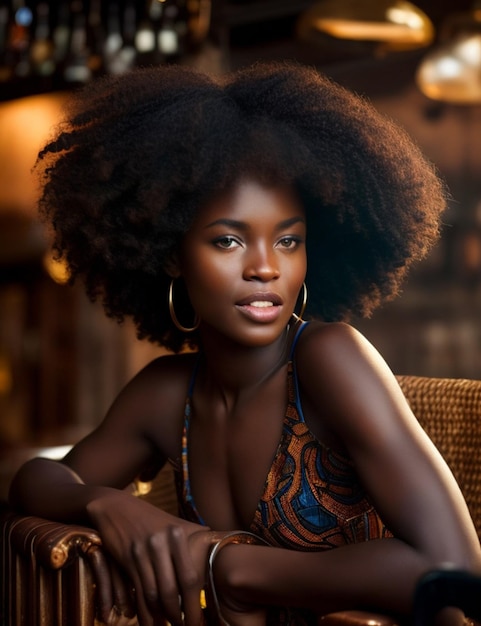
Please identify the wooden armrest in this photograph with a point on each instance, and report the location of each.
(356, 618)
(54, 544)
(47, 572)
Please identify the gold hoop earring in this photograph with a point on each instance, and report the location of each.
(304, 303)
(173, 316)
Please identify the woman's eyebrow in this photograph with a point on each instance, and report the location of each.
(290, 222)
(225, 221)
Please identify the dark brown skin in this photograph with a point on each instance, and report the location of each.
(253, 242)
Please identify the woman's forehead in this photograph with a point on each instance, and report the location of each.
(250, 197)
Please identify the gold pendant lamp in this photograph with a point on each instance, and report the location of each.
(391, 25)
(451, 71)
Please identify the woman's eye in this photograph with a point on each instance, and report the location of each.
(226, 242)
(289, 242)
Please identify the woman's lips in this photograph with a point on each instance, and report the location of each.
(261, 307)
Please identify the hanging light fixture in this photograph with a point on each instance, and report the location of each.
(390, 24)
(451, 72)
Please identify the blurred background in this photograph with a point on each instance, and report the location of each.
(61, 360)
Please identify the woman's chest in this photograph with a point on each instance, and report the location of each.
(228, 458)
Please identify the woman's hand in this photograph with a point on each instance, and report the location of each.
(164, 558)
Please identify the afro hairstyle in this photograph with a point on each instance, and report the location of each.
(138, 155)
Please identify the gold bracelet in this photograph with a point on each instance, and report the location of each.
(235, 537)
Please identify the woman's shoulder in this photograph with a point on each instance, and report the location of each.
(164, 381)
(157, 392)
(321, 340)
(342, 373)
(165, 369)
(170, 366)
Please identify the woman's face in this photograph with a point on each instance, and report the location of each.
(244, 261)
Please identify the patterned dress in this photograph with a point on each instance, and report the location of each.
(312, 499)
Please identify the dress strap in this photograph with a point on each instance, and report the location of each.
(299, 330)
(297, 414)
(193, 376)
(186, 499)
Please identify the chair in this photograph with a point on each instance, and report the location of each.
(48, 568)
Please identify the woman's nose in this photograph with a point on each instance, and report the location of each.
(261, 264)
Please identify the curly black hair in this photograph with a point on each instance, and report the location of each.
(139, 154)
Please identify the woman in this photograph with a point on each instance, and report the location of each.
(209, 210)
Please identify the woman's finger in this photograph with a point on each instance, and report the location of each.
(144, 615)
(158, 595)
(101, 571)
(190, 575)
(166, 575)
(122, 591)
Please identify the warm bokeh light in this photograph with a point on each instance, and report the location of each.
(452, 72)
(5, 376)
(56, 269)
(25, 125)
(395, 24)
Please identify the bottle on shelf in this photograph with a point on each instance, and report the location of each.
(76, 69)
(146, 36)
(127, 54)
(95, 39)
(5, 53)
(113, 41)
(15, 67)
(172, 30)
(42, 50)
(61, 34)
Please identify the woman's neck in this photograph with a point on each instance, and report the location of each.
(233, 370)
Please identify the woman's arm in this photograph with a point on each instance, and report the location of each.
(108, 458)
(350, 386)
(162, 555)
(405, 476)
